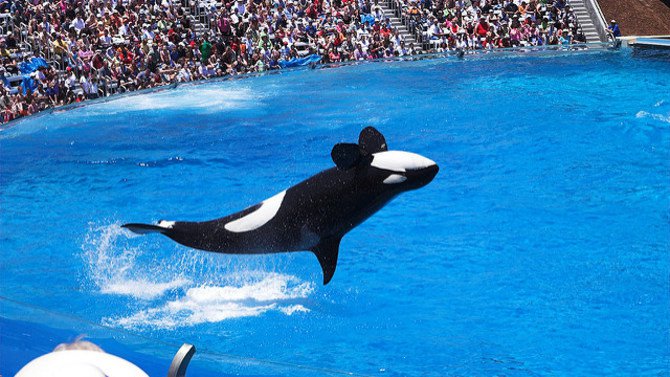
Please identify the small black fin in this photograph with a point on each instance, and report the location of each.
(326, 252)
(144, 228)
(346, 155)
(372, 141)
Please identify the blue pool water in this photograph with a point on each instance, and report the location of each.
(541, 248)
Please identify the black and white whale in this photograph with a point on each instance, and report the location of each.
(315, 214)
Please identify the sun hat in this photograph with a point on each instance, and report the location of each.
(81, 363)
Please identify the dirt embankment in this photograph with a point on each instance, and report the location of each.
(638, 17)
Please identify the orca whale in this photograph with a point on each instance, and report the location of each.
(315, 214)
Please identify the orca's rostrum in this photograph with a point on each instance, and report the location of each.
(316, 213)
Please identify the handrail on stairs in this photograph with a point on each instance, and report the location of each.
(181, 360)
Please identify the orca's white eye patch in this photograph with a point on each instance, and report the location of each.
(399, 161)
(395, 178)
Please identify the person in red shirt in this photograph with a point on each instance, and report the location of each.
(313, 11)
(482, 28)
(124, 55)
(116, 19)
(385, 32)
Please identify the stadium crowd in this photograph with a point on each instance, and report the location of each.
(487, 24)
(68, 51)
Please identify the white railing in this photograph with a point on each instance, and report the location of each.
(596, 15)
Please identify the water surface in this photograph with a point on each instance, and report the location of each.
(541, 248)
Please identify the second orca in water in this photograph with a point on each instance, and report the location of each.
(315, 214)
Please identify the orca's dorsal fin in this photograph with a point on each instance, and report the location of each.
(372, 141)
(326, 252)
(346, 155)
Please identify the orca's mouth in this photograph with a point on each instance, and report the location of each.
(430, 172)
(423, 176)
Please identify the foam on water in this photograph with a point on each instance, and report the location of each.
(199, 97)
(203, 304)
(661, 112)
(659, 117)
(117, 268)
(142, 288)
(112, 266)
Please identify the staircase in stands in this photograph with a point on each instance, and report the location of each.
(397, 24)
(584, 19)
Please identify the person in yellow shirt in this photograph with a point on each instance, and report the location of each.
(60, 46)
(4, 52)
(523, 8)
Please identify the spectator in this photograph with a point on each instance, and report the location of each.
(80, 358)
(101, 48)
(613, 29)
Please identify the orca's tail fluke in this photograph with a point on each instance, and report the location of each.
(144, 228)
(326, 252)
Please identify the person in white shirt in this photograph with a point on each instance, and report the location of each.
(106, 39)
(71, 81)
(435, 31)
(290, 10)
(46, 26)
(397, 38)
(183, 75)
(85, 84)
(239, 5)
(78, 24)
(147, 32)
(362, 33)
(285, 50)
(359, 54)
(39, 75)
(93, 89)
(235, 18)
(123, 29)
(402, 49)
(377, 12)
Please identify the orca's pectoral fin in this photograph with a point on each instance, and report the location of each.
(346, 155)
(326, 252)
(144, 228)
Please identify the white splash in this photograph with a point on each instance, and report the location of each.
(142, 289)
(208, 98)
(659, 117)
(112, 269)
(169, 290)
(289, 310)
(206, 304)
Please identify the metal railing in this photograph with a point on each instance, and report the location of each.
(598, 19)
(181, 360)
(418, 30)
(202, 12)
(411, 25)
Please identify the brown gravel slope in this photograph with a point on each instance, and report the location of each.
(638, 17)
